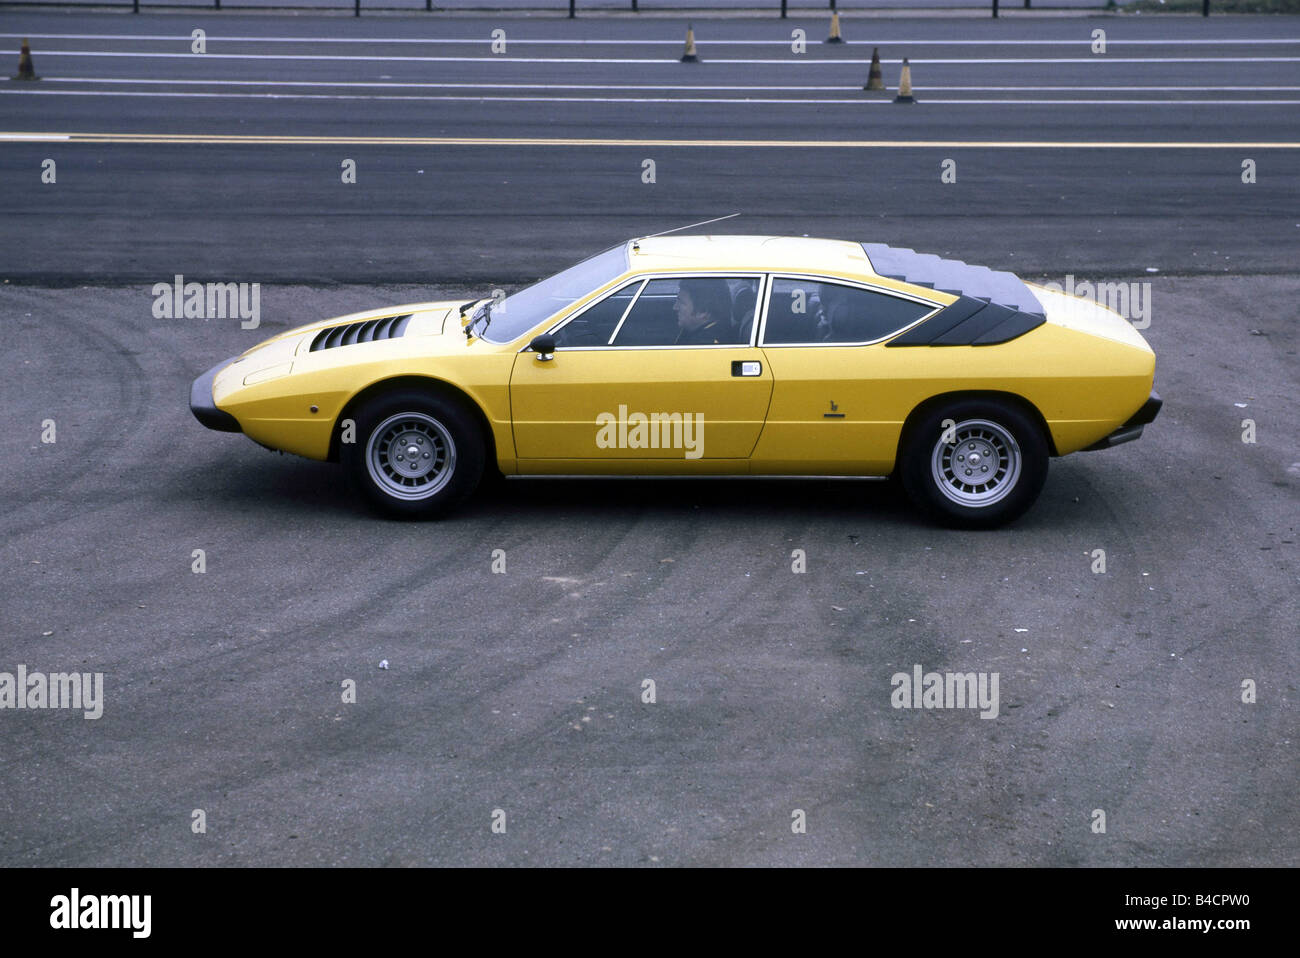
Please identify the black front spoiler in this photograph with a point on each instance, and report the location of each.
(1133, 428)
(204, 409)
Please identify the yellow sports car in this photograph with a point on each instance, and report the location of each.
(707, 355)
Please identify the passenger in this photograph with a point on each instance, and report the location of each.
(703, 310)
(835, 323)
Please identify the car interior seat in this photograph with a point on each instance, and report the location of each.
(742, 313)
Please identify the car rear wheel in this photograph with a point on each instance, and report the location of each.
(974, 463)
(416, 454)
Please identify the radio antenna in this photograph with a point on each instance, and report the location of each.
(717, 219)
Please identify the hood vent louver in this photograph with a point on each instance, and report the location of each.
(389, 327)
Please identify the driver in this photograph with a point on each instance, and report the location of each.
(703, 311)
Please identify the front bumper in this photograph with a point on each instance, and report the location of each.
(202, 405)
(1133, 428)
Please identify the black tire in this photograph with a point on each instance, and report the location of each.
(447, 464)
(1006, 449)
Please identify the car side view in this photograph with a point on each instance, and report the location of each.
(707, 355)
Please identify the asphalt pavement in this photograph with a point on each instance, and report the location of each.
(482, 167)
(522, 690)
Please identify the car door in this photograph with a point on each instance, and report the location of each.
(628, 385)
(840, 396)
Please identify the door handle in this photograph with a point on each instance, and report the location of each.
(746, 367)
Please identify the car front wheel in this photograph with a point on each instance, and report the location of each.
(415, 454)
(974, 463)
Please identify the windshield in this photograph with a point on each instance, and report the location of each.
(515, 315)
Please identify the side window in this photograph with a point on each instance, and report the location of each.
(693, 311)
(808, 311)
(595, 325)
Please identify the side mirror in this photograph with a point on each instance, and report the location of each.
(544, 346)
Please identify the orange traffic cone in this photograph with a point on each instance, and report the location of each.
(25, 69)
(875, 79)
(690, 56)
(835, 29)
(905, 85)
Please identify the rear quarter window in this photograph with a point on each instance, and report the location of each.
(802, 311)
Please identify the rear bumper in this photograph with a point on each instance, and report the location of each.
(201, 404)
(1133, 428)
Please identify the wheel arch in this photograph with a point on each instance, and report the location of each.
(428, 384)
(960, 395)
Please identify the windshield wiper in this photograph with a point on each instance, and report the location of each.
(466, 306)
(484, 313)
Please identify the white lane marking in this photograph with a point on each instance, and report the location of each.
(675, 41)
(1120, 89)
(650, 87)
(1066, 101)
(658, 87)
(497, 60)
(35, 137)
(738, 101)
(244, 139)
